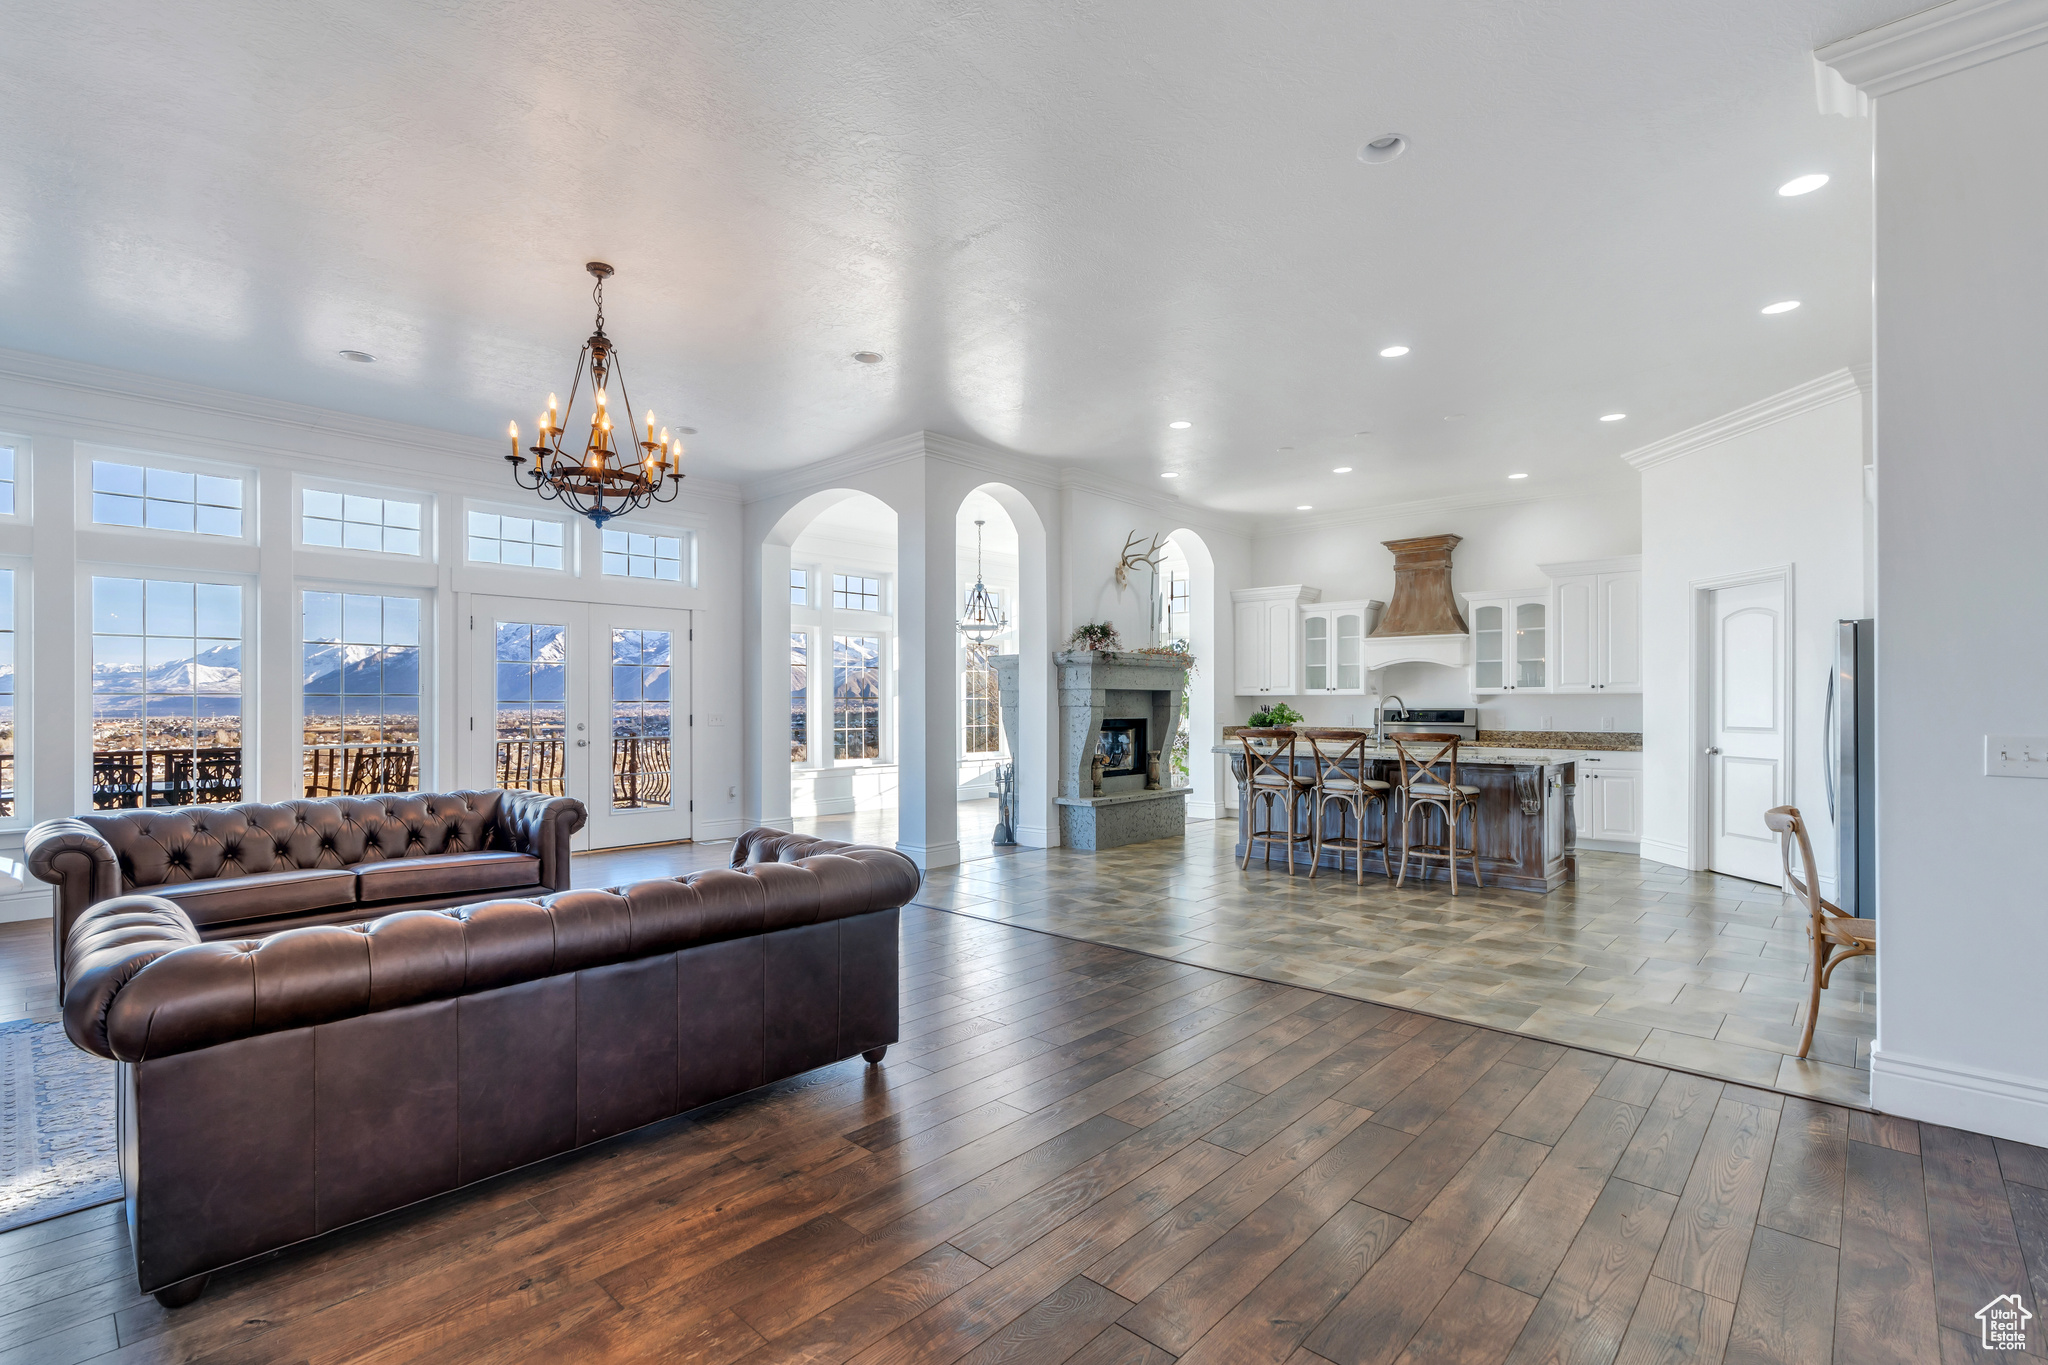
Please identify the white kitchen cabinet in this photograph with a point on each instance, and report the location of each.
(1511, 641)
(1597, 606)
(1268, 654)
(1610, 807)
(1333, 646)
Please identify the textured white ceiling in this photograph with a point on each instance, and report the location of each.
(1064, 224)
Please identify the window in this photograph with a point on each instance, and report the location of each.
(628, 554)
(856, 696)
(533, 666)
(7, 691)
(983, 726)
(6, 481)
(530, 542)
(165, 499)
(166, 693)
(856, 594)
(799, 587)
(799, 697)
(361, 681)
(345, 521)
(640, 718)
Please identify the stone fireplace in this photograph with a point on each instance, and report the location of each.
(1125, 707)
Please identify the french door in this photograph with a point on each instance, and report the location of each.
(583, 700)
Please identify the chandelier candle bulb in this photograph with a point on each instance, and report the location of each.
(513, 427)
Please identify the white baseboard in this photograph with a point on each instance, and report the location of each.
(707, 831)
(1672, 855)
(28, 905)
(1037, 836)
(1994, 1102)
(1610, 846)
(1205, 810)
(931, 855)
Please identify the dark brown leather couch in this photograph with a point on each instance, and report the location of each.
(254, 869)
(273, 1089)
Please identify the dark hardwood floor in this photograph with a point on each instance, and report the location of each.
(1077, 1153)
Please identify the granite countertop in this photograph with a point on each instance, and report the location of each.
(1475, 754)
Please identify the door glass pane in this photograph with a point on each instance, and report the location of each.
(1487, 654)
(1350, 653)
(1529, 644)
(1315, 654)
(640, 718)
(532, 667)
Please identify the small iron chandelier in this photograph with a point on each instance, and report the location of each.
(982, 621)
(607, 480)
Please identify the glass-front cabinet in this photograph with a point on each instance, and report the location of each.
(1333, 647)
(1510, 641)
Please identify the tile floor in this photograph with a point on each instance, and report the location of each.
(1691, 970)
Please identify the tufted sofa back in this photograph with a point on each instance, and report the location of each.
(176, 844)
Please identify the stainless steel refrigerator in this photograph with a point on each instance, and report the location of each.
(1852, 765)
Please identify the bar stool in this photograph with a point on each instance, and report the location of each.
(1270, 774)
(1423, 791)
(1835, 935)
(1352, 791)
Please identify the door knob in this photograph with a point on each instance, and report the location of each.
(583, 744)
(1714, 750)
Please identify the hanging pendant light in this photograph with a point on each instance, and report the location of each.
(982, 621)
(608, 479)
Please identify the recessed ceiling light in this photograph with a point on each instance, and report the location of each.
(1805, 184)
(1169, 474)
(687, 431)
(1305, 507)
(360, 357)
(1787, 306)
(1613, 416)
(1455, 417)
(868, 357)
(1390, 352)
(1383, 149)
(1518, 476)
(1342, 469)
(1180, 426)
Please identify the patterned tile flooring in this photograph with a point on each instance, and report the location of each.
(1692, 970)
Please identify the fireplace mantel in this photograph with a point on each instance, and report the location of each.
(1099, 685)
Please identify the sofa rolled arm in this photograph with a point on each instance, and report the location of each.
(73, 857)
(889, 872)
(109, 945)
(542, 826)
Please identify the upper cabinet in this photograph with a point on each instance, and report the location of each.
(1511, 641)
(1268, 632)
(1333, 646)
(1598, 614)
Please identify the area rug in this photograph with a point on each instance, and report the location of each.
(57, 1141)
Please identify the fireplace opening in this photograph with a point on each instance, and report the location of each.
(1122, 746)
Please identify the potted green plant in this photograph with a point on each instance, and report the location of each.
(1278, 713)
(1097, 635)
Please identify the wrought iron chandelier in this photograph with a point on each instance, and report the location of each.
(982, 621)
(607, 480)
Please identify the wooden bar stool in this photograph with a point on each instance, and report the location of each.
(1352, 791)
(1270, 774)
(1836, 937)
(1423, 791)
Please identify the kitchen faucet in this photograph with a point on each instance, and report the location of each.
(1380, 735)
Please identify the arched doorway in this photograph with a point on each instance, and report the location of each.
(1187, 554)
(1015, 523)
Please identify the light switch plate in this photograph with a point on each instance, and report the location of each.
(2016, 755)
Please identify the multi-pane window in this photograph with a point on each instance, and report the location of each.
(799, 587)
(532, 673)
(799, 696)
(983, 727)
(629, 554)
(856, 696)
(361, 681)
(166, 693)
(6, 692)
(640, 717)
(851, 592)
(6, 481)
(530, 542)
(346, 521)
(1177, 605)
(165, 499)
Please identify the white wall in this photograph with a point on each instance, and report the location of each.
(1962, 416)
(1503, 543)
(1786, 493)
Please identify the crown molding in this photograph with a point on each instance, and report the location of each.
(1935, 43)
(1803, 398)
(1454, 502)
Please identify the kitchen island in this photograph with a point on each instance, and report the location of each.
(1527, 833)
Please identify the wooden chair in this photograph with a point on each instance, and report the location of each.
(1836, 937)
(1353, 792)
(1423, 791)
(1270, 775)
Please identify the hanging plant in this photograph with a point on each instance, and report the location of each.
(1095, 635)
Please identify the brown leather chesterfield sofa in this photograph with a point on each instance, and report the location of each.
(253, 869)
(273, 1089)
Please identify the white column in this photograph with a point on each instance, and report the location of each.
(57, 737)
(928, 764)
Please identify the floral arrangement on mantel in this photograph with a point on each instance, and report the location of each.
(1096, 635)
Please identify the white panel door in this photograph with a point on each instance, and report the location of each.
(528, 720)
(1578, 623)
(1747, 752)
(640, 737)
(1251, 647)
(1621, 632)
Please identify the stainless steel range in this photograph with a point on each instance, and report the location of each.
(1408, 720)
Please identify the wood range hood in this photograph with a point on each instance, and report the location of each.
(1422, 623)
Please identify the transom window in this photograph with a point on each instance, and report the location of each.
(640, 717)
(629, 554)
(165, 499)
(856, 696)
(853, 593)
(361, 681)
(6, 481)
(346, 521)
(166, 693)
(529, 542)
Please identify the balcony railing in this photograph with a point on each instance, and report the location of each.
(128, 779)
(361, 770)
(640, 769)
